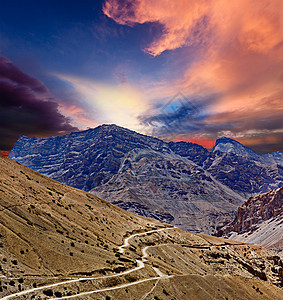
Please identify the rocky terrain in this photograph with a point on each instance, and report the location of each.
(57, 242)
(180, 183)
(243, 170)
(259, 220)
(170, 188)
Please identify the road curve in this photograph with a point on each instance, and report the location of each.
(126, 243)
(112, 288)
(140, 265)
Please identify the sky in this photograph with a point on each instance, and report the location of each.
(179, 70)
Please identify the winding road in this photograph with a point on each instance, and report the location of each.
(140, 265)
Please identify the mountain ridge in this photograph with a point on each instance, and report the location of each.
(229, 145)
(156, 185)
(89, 160)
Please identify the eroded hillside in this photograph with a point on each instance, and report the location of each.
(59, 242)
(259, 220)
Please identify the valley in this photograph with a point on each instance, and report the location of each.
(141, 150)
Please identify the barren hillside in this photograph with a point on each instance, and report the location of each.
(60, 242)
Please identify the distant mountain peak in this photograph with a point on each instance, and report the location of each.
(229, 145)
(111, 127)
(225, 139)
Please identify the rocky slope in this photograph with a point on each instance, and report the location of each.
(170, 188)
(43, 221)
(100, 159)
(84, 159)
(259, 220)
(60, 242)
(243, 170)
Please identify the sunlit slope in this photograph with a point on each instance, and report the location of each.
(57, 241)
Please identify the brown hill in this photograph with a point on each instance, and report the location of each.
(59, 242)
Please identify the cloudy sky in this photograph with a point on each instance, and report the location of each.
(180, 70)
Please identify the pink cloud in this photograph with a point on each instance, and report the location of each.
(232, 49)
(177, 17)
(257, 24)
(79, 116)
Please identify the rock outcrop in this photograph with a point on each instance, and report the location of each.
(172, 189)
(259, 220)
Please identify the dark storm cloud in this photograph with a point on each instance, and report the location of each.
(26, 107)
(9, 72)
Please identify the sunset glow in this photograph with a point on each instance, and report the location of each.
(121, 61)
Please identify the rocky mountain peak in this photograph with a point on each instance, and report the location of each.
(228, 145)
(225, 140)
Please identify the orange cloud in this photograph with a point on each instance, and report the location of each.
(232, 49)
(177, 17)
(257, 24)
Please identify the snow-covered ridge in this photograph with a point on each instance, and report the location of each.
(228, 145)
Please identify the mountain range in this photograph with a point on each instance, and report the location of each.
(178, 182)
(60, 242)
